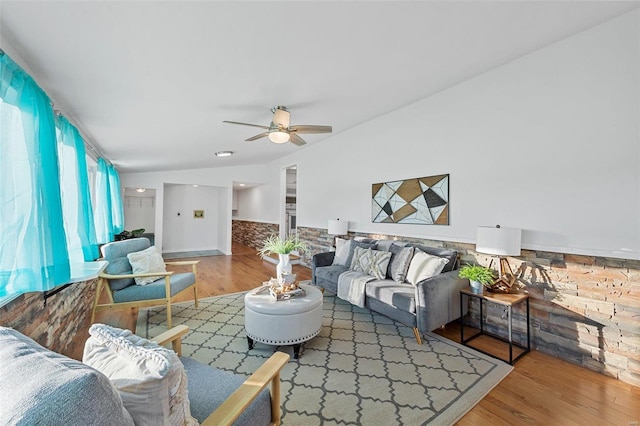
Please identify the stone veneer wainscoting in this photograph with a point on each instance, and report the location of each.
(584, 309)
(57, 325)
(252, 234)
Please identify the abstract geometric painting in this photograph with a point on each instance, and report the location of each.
(420, 201)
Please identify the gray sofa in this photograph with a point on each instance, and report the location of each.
(428, 305)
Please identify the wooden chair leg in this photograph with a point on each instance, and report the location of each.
(275, 399)
(96, 300)
(417, 334)
(195, 287)
(195, 294)
(169, 314)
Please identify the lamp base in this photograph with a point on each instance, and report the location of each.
(506, 278)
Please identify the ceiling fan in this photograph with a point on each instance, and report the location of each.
(281, 131)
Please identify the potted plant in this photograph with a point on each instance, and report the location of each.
(478, 276)
(282, 247)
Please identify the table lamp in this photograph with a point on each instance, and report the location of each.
(337, 227)
(500, 242)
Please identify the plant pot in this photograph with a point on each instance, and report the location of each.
(284, 266)
(476, 287)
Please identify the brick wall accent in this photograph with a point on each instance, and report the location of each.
(252, 234)
(584, 309)
(62, 325)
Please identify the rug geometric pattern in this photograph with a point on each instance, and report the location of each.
(362, 369)
(420, 201)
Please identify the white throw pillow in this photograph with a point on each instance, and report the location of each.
(424, 266)
(145, 262)
(150, 378)
(342, 252)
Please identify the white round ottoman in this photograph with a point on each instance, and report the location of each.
(285, 322)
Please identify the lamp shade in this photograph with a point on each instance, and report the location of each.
(338, 227)
(498, 241)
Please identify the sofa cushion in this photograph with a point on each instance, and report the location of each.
(145, 262)
(330, 273)
(150, 378)
(450, 255)
(384, 245)
(352, 248)
(423, 266)
(371, 262)
(400, 296)
(399, 263)
(342, 251)
(42, 387)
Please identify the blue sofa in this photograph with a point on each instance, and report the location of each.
(428, 305)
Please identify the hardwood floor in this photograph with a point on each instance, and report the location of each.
(540, 390)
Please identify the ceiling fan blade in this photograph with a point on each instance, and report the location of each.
(246, 124)
(296, 140)
(261, 135)
(307, 128)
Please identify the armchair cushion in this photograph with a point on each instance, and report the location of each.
(209, 387)
(116, 254)
(42, 387)
(154, 290)
(150, 378)
(146, 261)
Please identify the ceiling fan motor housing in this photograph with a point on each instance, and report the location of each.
(281, 117)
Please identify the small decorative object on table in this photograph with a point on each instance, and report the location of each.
(478, 276)
(282, 290)
(283, 248)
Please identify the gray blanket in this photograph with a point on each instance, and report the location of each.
(351, 287)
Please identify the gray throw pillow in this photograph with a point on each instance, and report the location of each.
(371, 262)
(352, 248)
(400, 261)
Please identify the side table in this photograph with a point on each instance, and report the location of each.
(506, 300)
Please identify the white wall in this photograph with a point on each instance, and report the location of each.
(220, 177)
(548, 143)
(183, 232)
(140, 212)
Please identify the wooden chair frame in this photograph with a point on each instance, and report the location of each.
(238, 401)
(103, 285)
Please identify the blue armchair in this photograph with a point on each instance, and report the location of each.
(117, 280)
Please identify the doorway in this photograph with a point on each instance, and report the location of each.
(291, 189)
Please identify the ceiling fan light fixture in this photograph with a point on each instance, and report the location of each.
(279, 137)
(224, 153)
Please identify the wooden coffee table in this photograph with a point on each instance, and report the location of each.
(285, 322)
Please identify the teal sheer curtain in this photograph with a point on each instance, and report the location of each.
(117, 209)
(109, 208)
(103, 219)
(76, 195)
(33, 246)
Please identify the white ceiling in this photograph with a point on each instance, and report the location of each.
(149, 83)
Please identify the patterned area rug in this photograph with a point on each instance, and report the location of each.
(362, 369)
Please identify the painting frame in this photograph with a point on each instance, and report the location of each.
(415, 201)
